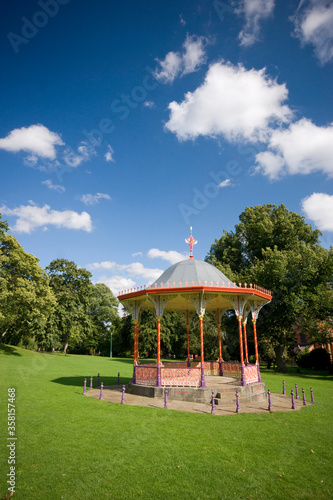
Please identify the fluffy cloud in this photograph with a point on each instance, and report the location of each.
(233, 102)
(31, 217)
(171, 256)
(116, 283)
(36, 139)
(92, 199)
(179, 64)
(54, 187)
(109, 154)
(82, 154)
(226, 183)
(254, 12)
(319, 208)
(314, 25)
(302, 148)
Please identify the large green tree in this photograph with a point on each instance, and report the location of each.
(26, 299)
(276, 249)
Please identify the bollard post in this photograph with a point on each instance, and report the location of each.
(293, 407)
(97, 381)
(213, 403)
(85, 386)
(284, 387)
(91, 381)
(118, 377)
(296, 389)
(237, 402)
(312, 400)
(123, 396)
(166, 398)
(270, 407)
(303, 392)
(101, 393)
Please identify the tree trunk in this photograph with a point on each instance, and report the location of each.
(281, 360)
(66, 347)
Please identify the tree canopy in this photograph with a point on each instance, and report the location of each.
(276, 249)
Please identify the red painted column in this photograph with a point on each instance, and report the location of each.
(245, 343)
(240, 339)
(255, 339)
(158, 382)
(203, 382)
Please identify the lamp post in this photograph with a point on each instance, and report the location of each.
(108, 325)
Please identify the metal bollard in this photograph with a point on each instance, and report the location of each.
(166, 398)
(312, 400)
(303, 392)
(237, 402)
(91, 382)
(85, 386)
(213, 403)
(123, 395)
(284, 387)
(97, 381)
(118, 377)
(296, 389)
(293, 407)
(101, 393)
(270, 407)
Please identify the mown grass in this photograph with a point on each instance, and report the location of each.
(73, 447)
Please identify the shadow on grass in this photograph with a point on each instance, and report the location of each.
(79, 381)
(306, 374)
(9, 350)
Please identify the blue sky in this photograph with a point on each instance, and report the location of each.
(125, 123)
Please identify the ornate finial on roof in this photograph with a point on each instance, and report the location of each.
(191, 241)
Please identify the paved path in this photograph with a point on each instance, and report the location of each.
(280, 402)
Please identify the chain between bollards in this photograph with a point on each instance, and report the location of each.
(303, 392)
(166, 398)
(213, 403)
(293, 407)
(85, 386)
(101, 393)
(312, 400)
(237, 402)
(123, 395)
(270, 407)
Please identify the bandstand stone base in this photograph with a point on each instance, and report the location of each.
(224, 389)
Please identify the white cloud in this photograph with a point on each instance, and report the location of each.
(171, 256)
(137, 254)
(226, 183)
(302, 148)
(31, 217)
(93, 199)
(75, 158)
(109, 154)
(135, 269)
(102, 265)
(31, 160)
(54, 187)
(314, 25)
(254, 12)
(149, 104)
(180, 64)
(233, 102)
(182, 22)
(116, 283)
(319, 208)
(35, 139)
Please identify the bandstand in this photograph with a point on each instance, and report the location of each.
(194, 286)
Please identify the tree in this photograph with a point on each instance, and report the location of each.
(276, 249)
(74, 291)
(26, 299)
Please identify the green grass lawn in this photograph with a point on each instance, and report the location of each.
(74, 447)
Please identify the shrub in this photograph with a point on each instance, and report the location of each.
(319, 359)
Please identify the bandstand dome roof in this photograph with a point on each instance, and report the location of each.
(193, 271)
